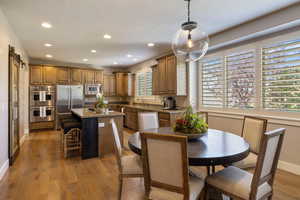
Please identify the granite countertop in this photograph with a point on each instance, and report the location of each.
(86, 113)
(152, 108)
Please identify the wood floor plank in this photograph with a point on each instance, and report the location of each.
(41, 172)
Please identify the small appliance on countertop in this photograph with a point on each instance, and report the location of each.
(169, 103)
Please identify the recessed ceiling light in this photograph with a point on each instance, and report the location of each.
(129, 56)
(85, 59)
(93, 51)
(48, 45)
(46, 25)
(150, 44)
(49, 56)
(106, 36)
(115, 63)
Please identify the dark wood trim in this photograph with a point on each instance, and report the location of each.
(13, 57)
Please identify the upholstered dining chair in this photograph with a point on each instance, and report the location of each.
(204, 115)
(240, 184)
(148, 120)
(129, 166)
(166, 168)
(253, 129)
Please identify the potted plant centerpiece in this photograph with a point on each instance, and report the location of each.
(190, 125)
(100, 105)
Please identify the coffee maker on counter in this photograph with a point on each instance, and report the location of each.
(169, 103)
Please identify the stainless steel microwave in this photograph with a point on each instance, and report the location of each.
(92, 89)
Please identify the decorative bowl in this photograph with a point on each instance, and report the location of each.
(191, 136)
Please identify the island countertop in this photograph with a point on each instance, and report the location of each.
(86, 113)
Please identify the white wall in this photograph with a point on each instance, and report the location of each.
(7, 37)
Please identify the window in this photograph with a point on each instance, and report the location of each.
(144, 84)
(213, 83)
(281, 76)
(240, 77)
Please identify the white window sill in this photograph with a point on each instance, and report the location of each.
(290, 119)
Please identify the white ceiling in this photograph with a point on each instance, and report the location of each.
(79, 25)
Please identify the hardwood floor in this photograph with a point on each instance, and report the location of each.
(41, 172)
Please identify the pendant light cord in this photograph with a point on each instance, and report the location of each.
(189, 9)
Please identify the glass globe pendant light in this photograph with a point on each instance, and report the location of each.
(190, 42)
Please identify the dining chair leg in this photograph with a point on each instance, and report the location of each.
(208, 170)
(213, 169)
(120, 187)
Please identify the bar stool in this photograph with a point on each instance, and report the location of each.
(70, 135)
(72, 141)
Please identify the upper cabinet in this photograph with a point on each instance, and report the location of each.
(36, 74)
(124, 84)
(93, 77)
(99, 77)
(89, 77)
(42, 75)
(169, 77)
(62, 75)
(109, 85)
(49, 75)
(76, 76)
(155, 80)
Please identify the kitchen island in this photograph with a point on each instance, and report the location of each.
(97, 139)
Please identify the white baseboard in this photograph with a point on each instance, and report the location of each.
(4, 168)
(289, 167)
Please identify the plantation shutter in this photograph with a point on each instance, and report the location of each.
(213, 83)
(240, 77)
(281, 76)
(144, 84)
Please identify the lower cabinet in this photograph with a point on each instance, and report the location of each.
(165, 119)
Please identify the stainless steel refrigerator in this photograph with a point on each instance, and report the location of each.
(68, 97)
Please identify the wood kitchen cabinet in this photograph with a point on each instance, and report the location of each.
(165, 119)
(124, 84)
(76, 76)
(155, 80)
(162, 76)
(49, 75)
(36, 74)
(169, 77)
(62, 75)
(109, 85)
(98, 77)
(89, 77)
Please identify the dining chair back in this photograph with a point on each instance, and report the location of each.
(165, 163)
(253, 130)
(241, 184)
(204, 115)
(117, 143)
(129, 166)
(148, 120)
(267, 161)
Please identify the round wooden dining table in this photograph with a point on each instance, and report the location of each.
(214, 148)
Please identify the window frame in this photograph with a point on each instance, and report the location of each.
(257, 45)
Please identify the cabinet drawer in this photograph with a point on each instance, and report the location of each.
(165, 116)
(164, 123)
